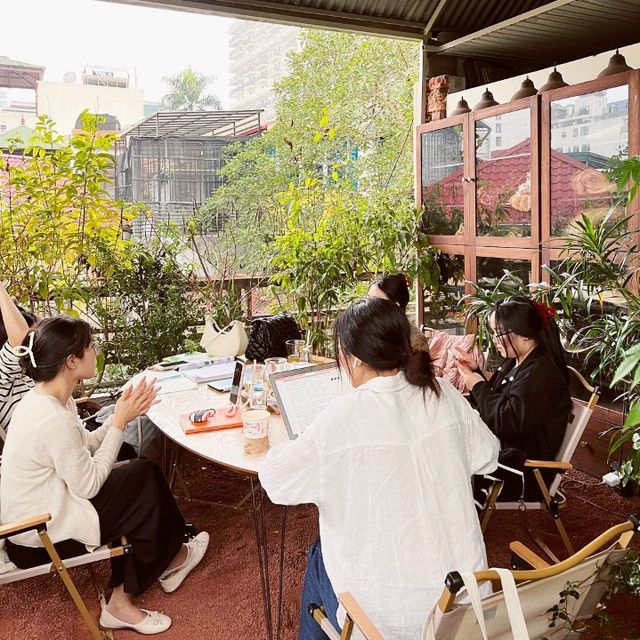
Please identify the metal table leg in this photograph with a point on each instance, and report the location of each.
(258, 501)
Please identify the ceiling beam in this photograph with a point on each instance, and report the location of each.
(434, 16)
(291, 14)
(556, 4)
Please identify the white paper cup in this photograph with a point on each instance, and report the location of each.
(255, 430)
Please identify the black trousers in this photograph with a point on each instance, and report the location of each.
(135, 501)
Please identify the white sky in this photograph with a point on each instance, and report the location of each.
(64, 35)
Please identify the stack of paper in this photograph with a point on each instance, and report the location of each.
(218, 371)
(205, 361)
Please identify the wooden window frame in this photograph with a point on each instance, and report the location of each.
(540, 247)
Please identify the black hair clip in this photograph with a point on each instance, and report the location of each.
(201, 415)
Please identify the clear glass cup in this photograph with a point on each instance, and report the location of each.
(295, 350)
(256, 373)
(273, 365)
(258, 398)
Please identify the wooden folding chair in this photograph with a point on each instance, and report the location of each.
(553, 500)
(60, 566)
(538, 592)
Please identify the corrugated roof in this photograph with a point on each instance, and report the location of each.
(22, 133)
(402, 18)
(197, 123)
(520, 35)
(572, 29)
(19, 75)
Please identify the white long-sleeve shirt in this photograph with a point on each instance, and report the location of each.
(52, 464)
(390, 473)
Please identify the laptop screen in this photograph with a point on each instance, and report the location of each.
(303, 393)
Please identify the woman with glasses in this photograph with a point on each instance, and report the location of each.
(527, 402)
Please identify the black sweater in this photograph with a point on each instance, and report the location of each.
(526, 407)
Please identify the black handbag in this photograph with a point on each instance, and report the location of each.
(269, 335)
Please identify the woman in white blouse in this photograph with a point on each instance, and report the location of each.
(51, 463)
(389, 467)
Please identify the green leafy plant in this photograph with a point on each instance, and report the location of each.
(147, 309)
(334, 239)
(59, 227)
(622, 577)
(324, 198)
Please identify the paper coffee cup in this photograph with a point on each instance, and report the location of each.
(255, 424)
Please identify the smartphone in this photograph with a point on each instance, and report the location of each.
(236, 383)
(221, 385)
(165, 366)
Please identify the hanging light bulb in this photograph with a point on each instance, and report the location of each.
(617, 64)
(486, 100)
(526, 90)
(554, 81)
(461, 107)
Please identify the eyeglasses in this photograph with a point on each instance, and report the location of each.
(495, 335)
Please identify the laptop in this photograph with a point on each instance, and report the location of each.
(304, 392)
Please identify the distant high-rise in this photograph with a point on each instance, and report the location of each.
(258, 58)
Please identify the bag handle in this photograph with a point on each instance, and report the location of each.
(511, 601)
(514, 607)
(471, 584)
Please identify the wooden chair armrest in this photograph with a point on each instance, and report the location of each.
(360, 619)
(548, 464)
(531, 558)
(15, 528)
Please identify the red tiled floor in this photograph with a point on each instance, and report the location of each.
(221, 600)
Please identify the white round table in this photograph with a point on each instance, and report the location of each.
(225, 448)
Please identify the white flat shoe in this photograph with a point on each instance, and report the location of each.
(154, 622)
(196, 548)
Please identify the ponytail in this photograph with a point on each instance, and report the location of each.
(377, 332)
(549, 340)
(418, 370)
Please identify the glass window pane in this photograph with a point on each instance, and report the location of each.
(495, 267)
(442, 172)
(598, 123)
(442, 310)
(503, 174)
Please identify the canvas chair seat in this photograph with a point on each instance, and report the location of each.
(553, 500)
(60, 566)
(527, 613)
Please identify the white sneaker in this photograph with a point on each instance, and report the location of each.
(154, 622)
(196, 548)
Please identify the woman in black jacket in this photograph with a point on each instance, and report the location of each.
(527, 402)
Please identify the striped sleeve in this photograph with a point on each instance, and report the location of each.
(9, 365)
(13, 385)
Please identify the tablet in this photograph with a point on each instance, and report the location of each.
(221, 385)
(304, 392)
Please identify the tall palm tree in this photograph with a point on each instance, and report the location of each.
(188, 92)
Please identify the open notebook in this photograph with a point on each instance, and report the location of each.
(303, 393)
(168, 381)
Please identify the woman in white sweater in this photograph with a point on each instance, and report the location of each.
(389, 467)
(51, 463)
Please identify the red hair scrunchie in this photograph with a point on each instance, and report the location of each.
(544, 311)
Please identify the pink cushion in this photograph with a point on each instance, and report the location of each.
(445, 367)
